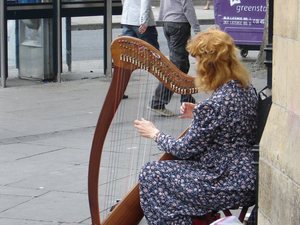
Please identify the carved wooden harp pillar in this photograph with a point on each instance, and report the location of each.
(128, 55)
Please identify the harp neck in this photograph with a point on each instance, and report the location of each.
(132, 53)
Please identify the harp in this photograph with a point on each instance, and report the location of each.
(128, 55)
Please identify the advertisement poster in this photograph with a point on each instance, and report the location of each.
(243, 19)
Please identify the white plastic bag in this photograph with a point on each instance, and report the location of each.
(229, 220)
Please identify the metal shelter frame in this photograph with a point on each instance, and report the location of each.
(56, 10)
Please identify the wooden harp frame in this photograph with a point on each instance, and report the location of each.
(129, 54)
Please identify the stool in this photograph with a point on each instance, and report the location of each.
(206, 219)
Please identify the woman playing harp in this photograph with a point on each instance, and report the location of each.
(215, 169)
(116, 146)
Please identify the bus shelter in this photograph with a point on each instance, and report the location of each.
(38, 41)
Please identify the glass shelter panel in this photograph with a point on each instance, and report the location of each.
(29, 41)
(16, 2)
(83, 54)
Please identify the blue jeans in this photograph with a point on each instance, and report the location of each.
(177, 35)
(149, 36)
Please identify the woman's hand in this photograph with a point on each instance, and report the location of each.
(186, 110)
(146, 128)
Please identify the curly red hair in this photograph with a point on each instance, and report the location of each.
(217, 59)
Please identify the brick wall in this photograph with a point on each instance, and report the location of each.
(279, 178)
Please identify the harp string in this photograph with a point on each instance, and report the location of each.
(118, 130)
(140, 150)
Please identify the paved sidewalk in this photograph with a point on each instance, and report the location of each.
(45, 139)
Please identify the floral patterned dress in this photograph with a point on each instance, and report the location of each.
(215, 170)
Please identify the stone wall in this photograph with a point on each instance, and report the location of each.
(279, 176)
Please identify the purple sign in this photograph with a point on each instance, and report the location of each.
(29, 1)
(242, 19)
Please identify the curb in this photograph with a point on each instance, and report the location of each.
(98, 26)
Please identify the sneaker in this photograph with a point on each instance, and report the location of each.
(163, 112)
